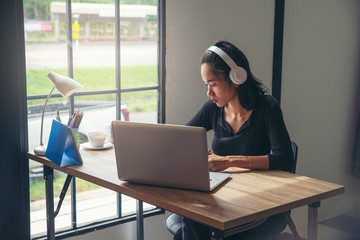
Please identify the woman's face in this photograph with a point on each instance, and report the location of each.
(218, 89)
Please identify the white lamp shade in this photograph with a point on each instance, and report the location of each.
(65, 85)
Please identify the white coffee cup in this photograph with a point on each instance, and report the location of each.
(97, 139)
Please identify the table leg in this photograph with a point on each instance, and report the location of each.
(139, 220)
(62, 194)
(49, 189)
(73, 203)
(312, 220)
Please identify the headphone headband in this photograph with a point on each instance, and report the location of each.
(237, 74)
(224, 56)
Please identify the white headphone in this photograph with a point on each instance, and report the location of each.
(237, 74)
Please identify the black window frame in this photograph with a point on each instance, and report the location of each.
(160, 87)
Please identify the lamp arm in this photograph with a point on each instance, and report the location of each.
(42, 116)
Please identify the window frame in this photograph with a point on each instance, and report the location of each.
(119, 219)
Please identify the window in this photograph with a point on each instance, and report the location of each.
(113, 49)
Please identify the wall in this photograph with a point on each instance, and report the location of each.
(320, 80)
(193, 26)
(14, 201)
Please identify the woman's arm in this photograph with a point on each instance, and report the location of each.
(219, 163)
(281, 155)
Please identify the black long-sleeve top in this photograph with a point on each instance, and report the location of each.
(264, 133)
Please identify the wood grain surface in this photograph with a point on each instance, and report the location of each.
(245, 197)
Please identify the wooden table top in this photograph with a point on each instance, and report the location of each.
(245, 197)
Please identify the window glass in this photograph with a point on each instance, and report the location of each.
(142, 105)
(94, 203)
(91, 60)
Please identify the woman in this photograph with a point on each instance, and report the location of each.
(249, 130)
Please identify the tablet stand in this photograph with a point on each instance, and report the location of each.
(61, 148)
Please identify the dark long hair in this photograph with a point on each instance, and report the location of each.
(249, 91)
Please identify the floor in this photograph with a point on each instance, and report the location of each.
(286, 236)
(343, 227)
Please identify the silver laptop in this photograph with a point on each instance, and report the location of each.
(164, 155)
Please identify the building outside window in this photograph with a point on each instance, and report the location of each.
(113, 51)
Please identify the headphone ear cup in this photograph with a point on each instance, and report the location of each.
(238, 75)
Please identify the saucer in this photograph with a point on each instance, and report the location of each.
(88, 146)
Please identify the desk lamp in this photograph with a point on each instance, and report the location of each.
(66, 86)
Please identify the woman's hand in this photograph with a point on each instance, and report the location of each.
(217, 163)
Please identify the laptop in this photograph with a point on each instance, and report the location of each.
(164, 155)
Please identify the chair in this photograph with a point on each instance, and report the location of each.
(289, 220)
(173, 222)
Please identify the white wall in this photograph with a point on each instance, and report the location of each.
(320, 80)
(193, 26)
(320, 76)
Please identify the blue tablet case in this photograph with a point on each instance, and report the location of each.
(61, 148)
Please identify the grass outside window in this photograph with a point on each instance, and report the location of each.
(102, 78)
(37, 187)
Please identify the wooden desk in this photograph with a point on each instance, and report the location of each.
(245, 197)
